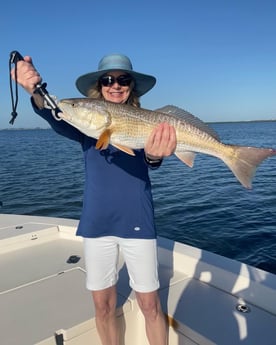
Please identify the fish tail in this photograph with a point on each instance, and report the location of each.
(243, 162)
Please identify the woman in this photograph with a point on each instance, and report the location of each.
(117, 205)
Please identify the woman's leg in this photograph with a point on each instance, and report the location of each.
(101, 260)
(141, 259)
(106, 322)
(156, 327)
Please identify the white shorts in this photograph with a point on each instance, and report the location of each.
(102, 262)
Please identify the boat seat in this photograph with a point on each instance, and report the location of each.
(31, 260)
(205, 314)
(40, 308)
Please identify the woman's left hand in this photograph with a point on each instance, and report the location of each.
(161, 142)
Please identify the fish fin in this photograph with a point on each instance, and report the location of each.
(104, 140)
(244, 162)
(124, 149)
(189, 118)
(186, 157)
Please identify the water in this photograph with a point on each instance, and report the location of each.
(41, 173)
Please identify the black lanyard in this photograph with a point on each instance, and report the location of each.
(15, 56)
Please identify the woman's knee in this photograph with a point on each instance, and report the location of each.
(149, 304)
(105, 302)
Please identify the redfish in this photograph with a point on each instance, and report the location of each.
(127, 128)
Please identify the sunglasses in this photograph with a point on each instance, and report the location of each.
(122, 80)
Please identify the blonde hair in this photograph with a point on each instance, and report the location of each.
(133, 99)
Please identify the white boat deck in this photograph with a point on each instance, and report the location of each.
(43, 299)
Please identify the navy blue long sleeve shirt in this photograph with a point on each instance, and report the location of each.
(117, 197)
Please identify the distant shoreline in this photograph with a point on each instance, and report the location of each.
(248, 121)
(24, 129)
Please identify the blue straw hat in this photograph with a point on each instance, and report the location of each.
(116, 62)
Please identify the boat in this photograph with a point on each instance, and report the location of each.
(207, 299)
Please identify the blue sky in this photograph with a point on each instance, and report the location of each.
(216, 59)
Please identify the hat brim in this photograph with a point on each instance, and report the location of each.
(143, 82)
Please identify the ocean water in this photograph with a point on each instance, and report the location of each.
(41, 173)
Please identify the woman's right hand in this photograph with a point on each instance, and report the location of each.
(28, 77)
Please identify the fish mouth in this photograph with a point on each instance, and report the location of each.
(76, 111)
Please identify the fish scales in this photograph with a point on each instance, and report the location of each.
(135, 127)
(128, 128)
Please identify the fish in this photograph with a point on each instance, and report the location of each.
(127, 128)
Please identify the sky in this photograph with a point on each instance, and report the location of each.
(213, 58)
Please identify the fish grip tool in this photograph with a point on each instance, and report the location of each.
(15, 56)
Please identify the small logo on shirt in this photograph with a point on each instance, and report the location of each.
(137, 228)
